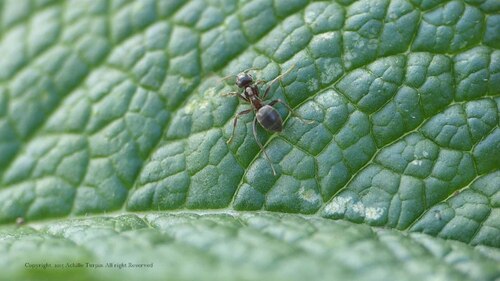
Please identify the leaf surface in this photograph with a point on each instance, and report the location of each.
(117, 107)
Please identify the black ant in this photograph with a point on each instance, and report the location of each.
(267, 116)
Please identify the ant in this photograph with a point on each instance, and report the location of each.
(267, 116)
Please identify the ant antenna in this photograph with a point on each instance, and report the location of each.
(233, 75)
(282, 75)
(226, 77)
(251, 68)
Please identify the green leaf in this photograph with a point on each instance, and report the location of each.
(247, 246)
(113, 108)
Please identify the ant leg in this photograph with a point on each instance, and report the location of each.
(236, 121)
(276, 79)
(291, 111)
(260, 145)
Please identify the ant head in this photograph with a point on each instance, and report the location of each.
(243, 79)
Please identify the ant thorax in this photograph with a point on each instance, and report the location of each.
(250, 92)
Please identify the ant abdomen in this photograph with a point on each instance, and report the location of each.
(270, 119)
